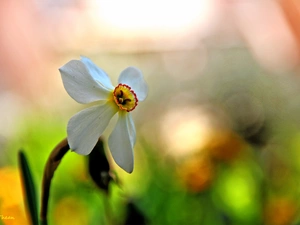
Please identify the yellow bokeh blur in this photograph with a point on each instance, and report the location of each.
(12, 210)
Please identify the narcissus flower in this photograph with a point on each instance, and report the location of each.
(86, 83)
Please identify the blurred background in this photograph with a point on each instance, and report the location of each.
(218, 138)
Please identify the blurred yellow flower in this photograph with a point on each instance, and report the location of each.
(12, 211)
(224, 146)
(70, 210)
(196, 173)
(280, 211)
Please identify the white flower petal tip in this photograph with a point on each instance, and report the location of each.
(97, 73)
(81, 84)
(85, 127)
(80, 152)
(133, 77)
(121, 142)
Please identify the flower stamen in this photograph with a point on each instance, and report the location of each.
(125, 97)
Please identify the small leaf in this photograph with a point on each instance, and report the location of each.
(134, 215)
(98, 166)
(29, 188)
(43, 222)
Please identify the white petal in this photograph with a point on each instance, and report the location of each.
(97, 73)
(80, 84)
(121, 142)
(133, 77)
(85, 127)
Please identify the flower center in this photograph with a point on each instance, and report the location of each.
(125, 98)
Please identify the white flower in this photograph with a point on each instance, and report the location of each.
(87, 83)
